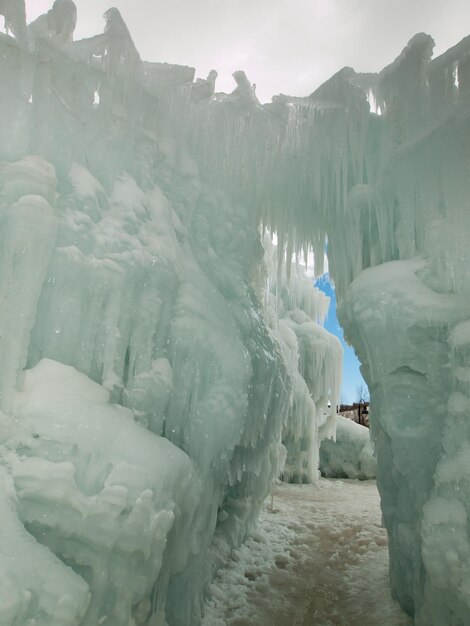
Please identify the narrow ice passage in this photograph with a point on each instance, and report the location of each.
(161, 364)
(318, 558)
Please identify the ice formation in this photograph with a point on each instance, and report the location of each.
(295, 313)
(131, 252)
(349, 454)
(146, 379)
(389, 190)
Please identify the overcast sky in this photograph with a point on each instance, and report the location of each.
(288, 46)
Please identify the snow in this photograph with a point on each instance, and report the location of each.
(318, 557)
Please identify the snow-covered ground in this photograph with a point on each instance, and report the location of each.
(319, 558)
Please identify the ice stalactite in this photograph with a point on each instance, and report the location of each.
(313, 356)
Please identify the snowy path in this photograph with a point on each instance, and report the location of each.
(319, 559)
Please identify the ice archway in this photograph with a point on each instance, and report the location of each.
(153, 354)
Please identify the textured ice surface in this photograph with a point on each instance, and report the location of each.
(417, 395)
(145, 384)
(350, 454)
(313, 358)
(108, 498)
(130, 251)
(110, 284)
(389, 191)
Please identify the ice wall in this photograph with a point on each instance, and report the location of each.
(144, 382)
(403, 315)
(378, 165)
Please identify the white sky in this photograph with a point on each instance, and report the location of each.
(285, 46)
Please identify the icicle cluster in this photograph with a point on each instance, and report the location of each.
(313, 358)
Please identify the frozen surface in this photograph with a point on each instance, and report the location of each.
(106, 512)
(349, 454)
(130, 248)
(125, 332)
(318, 558)
(389, 192)
(145, 384)
(419, 390)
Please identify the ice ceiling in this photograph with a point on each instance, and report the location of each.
(155, 349)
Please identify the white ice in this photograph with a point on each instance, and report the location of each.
(349, 454)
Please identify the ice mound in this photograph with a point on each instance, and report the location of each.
(350, 455)
(108, 514)
(35, 585)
